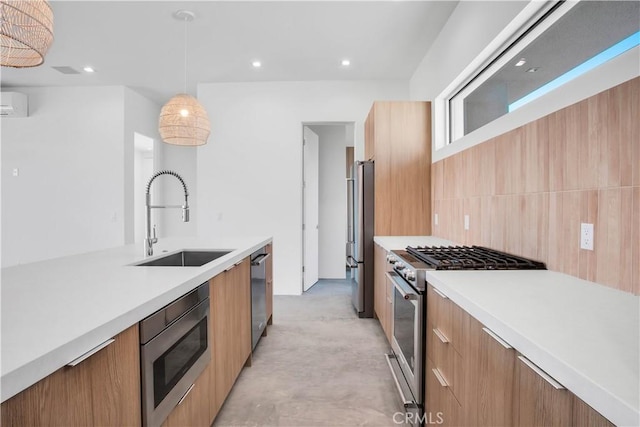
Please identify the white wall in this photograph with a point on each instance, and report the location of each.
(470, 28)
(333, 201)
(68, 197)
(250, 172)
(183, 161)
(75, 154)
(141, 116)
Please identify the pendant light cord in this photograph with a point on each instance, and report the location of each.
(186, 19)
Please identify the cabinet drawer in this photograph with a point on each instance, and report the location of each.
(445, 316)
(441, 406)
(448, 362)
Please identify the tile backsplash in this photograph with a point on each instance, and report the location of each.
(528, 191)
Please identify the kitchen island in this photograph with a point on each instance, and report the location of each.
(53, 311)
(583, 335)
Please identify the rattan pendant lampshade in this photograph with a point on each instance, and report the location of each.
(26, 31)
(183, 120)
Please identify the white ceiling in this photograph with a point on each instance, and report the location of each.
(139, 44)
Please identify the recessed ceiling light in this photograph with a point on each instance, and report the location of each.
(533, 69)
(89, 69)
(521, 62)
(256, 64)
(346, 62)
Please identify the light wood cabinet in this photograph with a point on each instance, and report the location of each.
(230, 299)
(379, 292)
(101, 390)
(585, 416)
(383, 302)
(539, 400)
(496, 366)
(193, 410)
(491, 384)
(441, 406)
(398, 139)
(269, 275)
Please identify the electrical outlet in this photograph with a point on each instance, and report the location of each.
(16, 171)
(435, 219)
(466, 222)
(586, 236)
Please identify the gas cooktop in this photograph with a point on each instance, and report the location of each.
(471, 258)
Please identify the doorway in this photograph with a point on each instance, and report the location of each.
(142, 171)
(325, 155)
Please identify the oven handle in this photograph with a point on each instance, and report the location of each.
(405, 402)
(404, 289)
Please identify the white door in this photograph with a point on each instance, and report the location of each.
(310, 208)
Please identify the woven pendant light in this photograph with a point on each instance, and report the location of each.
(26, 31)
(183, 120)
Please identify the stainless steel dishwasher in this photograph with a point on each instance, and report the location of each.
(258, 294)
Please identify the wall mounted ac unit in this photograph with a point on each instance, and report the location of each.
(13, 104)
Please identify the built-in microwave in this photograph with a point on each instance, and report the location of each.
(174, 352)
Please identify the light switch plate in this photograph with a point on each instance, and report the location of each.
(435, 219)
(466, 222)
(586, 236)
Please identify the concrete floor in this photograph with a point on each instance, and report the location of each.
(319, 365)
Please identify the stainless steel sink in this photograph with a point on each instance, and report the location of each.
(185, 259)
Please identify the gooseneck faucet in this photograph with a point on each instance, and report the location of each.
(150, 240)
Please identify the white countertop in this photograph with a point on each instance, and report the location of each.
(585, 335)
(56, 310)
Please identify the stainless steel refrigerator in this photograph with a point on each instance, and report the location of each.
(360, 207)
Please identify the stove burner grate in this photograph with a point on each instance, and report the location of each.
(471, 258)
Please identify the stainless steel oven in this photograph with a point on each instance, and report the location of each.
(407, 359)
(406, 362)
(174, 352)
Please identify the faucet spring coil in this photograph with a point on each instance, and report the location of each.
(167, 172)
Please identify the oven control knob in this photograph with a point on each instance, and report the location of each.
(410, 275)
(399, 266)
(391, 259)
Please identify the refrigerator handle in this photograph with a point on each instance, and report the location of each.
(350, 231)
(360, 204)
(351, 262)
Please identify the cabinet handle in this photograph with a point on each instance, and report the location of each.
(542, 373)
(262, 258)
(439, 377)
(90, 353)
(440, 336)
(440, 293)
(184, 396)
(497, 338)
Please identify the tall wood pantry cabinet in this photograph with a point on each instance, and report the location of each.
(398, 139)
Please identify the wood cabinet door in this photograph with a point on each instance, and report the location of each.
(101, 390)
(115, 381)
(539, 400)
(269, 275)
(585, 416)
(388, 325)
(230, 299)
(496, 363)
(193, 408)
(379, 281)
(369, 135)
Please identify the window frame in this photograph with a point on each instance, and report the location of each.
(534, 19)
